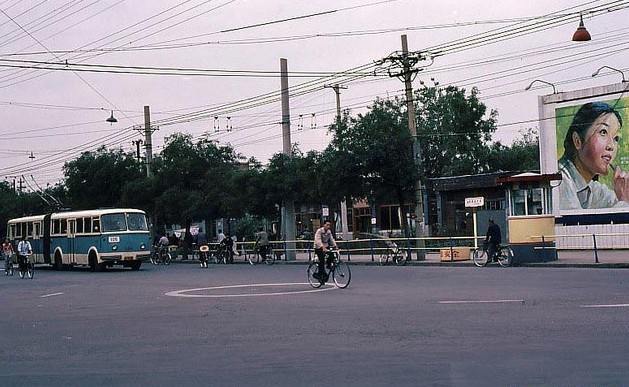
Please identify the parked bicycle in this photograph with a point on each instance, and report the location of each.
(255, 257)
(393, 253)
(335, 268)
(26, 268)
(8, 264)
(160, 256)
(504, 256)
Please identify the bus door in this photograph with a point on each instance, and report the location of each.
(71, 240)
(46, 233)
(37, 247)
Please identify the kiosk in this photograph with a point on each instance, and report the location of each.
(530, 216)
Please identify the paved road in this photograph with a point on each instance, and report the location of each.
(390, 327)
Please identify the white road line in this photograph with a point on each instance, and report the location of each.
(606, 306)
(51, 294)
(182, 293)
(481, 302)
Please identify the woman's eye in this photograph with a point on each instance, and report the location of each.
(603, 132)
(617, 139)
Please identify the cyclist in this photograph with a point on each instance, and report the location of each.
(227, 247)
(162, 246)
(262, 243)
(492, 240)
(7, 252)
(323, 241)
(24, 249)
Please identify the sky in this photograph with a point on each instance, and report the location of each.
(54, 115)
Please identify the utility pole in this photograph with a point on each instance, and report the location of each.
(337, 90)
(406, 62)
(288, 206)
(148, 145)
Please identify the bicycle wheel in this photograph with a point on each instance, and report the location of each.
(480, 257)
(341, 274)
(167, 258)
(312, 269)
(506, 257)
(383, 259)
(22, 272)
(400, 259)
(30, 270)
(253, 257)
(270, 259)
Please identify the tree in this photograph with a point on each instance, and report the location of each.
(96, 179)
(454, 130)
(373, 155)
(522, 155)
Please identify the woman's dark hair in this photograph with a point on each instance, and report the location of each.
(585, 117)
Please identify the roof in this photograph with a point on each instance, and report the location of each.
(76, 214)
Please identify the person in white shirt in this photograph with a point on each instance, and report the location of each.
(323, 241)
(24, 249)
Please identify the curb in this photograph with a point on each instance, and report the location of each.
(555, 264)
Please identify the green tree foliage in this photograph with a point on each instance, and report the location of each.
(522, 155)
(454, 130)
(96, 179)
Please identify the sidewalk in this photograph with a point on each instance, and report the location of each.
(567, 258)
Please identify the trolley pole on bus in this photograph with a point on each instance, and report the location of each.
(288, 206)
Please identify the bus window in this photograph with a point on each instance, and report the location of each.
(64, 226)
(96, 225)
(23, 227)
(18, 231)
(56, 226)
(137, 222)
(12, 231)
(114, 222)
(29, 228)
(87, 225)
(37, 229)
(79, 226)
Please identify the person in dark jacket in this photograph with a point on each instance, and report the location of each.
(493, 239)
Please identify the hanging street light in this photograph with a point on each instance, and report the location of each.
(581, 34)
(112, 119)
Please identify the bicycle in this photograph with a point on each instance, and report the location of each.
(160, 256)
(336, 269)
(393, 253)
(26, 268)
(504, 256)
(8, 265)
(255, 257)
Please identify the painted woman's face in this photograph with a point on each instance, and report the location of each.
(598, 149)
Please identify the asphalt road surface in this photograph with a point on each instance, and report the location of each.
(393, 326)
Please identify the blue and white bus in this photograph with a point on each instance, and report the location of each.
(94, 238)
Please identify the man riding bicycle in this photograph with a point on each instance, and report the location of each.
(24, 249)
(262, 243)
(323, 241)
(492, 240)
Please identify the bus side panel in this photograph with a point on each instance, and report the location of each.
(46, 239)
(83, 244)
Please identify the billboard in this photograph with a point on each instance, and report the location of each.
(584, 135)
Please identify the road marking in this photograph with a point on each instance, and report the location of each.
(606, 306)
(481, 302)
(181, 293)
(51, 295)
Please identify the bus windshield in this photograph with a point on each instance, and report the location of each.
(137, 222)
(113, 222)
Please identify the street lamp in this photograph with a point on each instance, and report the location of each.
(539, 80)
(611, 68)
(581, 34)
(112, 119)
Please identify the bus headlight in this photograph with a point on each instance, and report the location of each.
(142, 246)
(114, 247)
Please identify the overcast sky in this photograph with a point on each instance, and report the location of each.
(57, 114)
